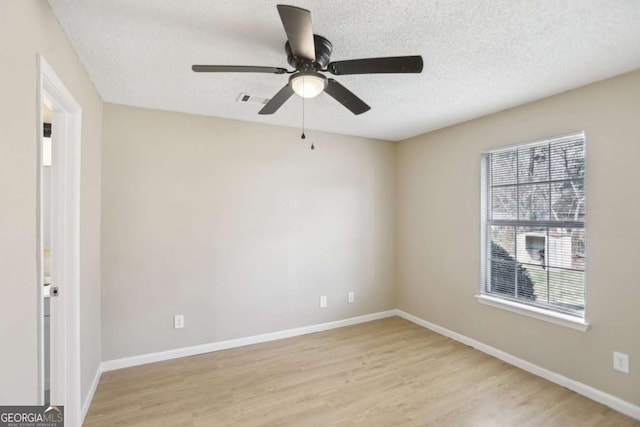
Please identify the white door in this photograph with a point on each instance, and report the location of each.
(64, 344)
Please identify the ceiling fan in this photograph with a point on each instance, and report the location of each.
(309, 54)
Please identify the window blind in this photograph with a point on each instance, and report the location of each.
(533, 224)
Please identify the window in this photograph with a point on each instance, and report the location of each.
(533, 224)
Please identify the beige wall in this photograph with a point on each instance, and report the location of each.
(438, 232)
(26, 29)
(238, 226)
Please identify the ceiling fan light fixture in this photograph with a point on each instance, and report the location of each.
(308, 84)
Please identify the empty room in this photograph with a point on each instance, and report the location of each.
(320, 213)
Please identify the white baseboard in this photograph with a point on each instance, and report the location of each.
(142, 359)
(592, 393)
(92, 391)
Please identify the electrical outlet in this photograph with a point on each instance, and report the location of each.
(178, 321)
(323, 301)
(351, 297)
(621, 362)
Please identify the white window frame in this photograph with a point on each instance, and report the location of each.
(491, 299)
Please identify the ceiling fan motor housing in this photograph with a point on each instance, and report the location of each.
(323, 49)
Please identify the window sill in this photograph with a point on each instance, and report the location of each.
(535, 312)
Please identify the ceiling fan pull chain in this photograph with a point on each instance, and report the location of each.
(303, 136)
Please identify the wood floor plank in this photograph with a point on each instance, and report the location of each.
(388, 372)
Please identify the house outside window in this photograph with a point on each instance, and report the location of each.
(533, 224)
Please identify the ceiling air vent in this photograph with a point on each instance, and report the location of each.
(243, 97)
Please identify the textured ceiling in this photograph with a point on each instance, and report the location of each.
(480, 56)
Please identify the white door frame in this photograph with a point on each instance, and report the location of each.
(65, 244)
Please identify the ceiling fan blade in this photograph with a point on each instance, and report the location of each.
(277, 101)
(345, 97)
(392, 64)
(236, 69)
(297, 25)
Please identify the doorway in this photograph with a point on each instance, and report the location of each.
(58, 245)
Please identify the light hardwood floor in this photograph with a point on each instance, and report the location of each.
(387, 372)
